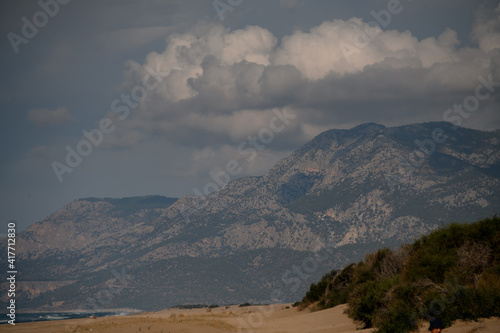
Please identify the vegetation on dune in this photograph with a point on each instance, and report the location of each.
(452, 273)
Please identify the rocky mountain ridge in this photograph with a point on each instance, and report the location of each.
(356, 190)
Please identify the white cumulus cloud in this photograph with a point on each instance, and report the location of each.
(219, 86)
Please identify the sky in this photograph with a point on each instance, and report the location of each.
(121, 98)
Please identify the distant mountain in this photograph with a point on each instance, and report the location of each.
(259, 239)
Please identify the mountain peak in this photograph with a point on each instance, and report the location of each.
(368, 126)
(236, 244)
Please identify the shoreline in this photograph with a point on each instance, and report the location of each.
(255, 318)
(78, 311)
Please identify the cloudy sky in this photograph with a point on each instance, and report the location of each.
(117, 98)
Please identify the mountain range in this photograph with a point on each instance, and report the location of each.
(261, 239)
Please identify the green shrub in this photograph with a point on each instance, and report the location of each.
(316, 291)
(400, 317)
(452, 273)
(367, 299)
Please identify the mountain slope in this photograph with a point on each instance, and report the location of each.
(343, 194)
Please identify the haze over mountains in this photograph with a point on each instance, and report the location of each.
(259, 239)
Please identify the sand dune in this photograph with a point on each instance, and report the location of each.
(259, 319)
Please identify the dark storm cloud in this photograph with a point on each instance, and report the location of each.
(221, 83)
(228, 78)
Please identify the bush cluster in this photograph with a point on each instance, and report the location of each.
(452, 273)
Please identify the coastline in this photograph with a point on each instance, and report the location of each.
(31, 317)
(259, 318)
(76, 311)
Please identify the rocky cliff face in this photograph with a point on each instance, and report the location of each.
(344, 193)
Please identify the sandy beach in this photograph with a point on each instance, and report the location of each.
(278, 318)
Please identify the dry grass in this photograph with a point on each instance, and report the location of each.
(212, 320)
(119, 325)
(146, 324)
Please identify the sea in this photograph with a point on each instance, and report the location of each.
(44, 316)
